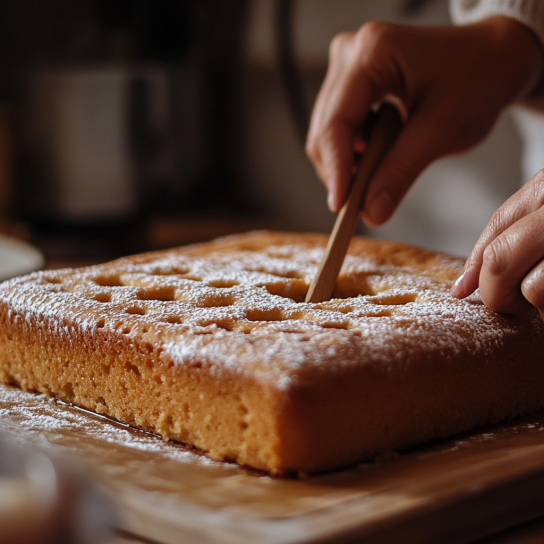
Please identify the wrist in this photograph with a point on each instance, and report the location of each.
(518, 53)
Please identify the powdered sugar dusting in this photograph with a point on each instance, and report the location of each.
(237, 304)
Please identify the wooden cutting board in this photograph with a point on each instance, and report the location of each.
(450, 491)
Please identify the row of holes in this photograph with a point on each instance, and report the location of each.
(205, 302)
(241, 326)
(115, 281)
(184, 271)
(269, 315)
(295, 290)
(276, 314)
(168, 295)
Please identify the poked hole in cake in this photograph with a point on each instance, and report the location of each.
(393, 299)
(294, 289)
(136, 310)
(223, 283)
(164, 293)
(215, 300)
(109, 280)
(170, 270)
(347, 286)
(52, 279)
(102, 297)
(265, 314)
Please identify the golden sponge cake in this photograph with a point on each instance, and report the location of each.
(212, 345)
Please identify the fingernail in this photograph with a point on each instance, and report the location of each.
(381, 206)
(457, 288)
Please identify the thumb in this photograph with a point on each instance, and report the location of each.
(422, 141)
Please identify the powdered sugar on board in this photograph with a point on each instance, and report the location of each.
(166, 476)
(28, 417)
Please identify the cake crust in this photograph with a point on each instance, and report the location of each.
(212, 345)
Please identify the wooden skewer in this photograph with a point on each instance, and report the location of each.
(387, 126)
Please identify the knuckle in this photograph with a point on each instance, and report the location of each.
(314, 146)
(496, 256)
(537, 179)
(312, 149)
(373, 33)
(317, 142)
(370, 38)
(535, 187)
(339, 43)
(497, 222)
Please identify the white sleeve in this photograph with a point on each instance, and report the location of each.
(528, 12)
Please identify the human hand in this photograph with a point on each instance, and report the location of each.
(453, 82)
(507, 262)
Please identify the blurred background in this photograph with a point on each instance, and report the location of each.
(130, 125)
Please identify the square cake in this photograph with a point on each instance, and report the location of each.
(213, 345)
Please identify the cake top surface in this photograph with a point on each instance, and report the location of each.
(237, 302)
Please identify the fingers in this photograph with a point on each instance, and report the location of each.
(532, 287)
(507, 260)
(333, 159)
(330, 137)
(356, 78)
(526, 201)
(421, 142)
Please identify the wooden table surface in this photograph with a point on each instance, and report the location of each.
(516, 450)
(450, 492)
(527, 533)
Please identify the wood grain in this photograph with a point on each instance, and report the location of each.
(453, 491)
(386, 128)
